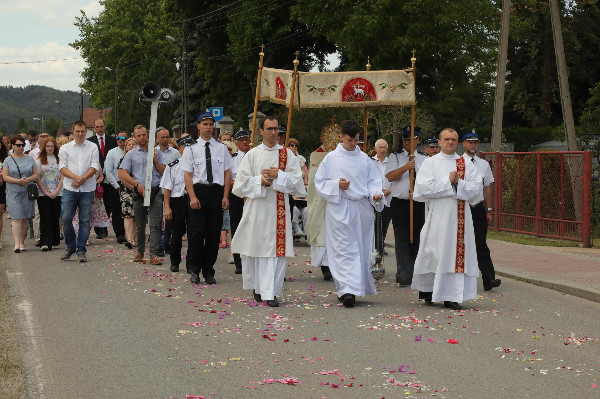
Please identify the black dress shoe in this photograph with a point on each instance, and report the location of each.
(428, 300)
(257, 297)
(194, 278)
(492, 284)
(174, 268)
(210, 280)
(274, 303)
(161, 252)
(348, 300)
(452, 305)
(238, 270)
(326, 273)
(121, 240)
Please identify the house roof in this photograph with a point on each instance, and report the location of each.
(91, 115)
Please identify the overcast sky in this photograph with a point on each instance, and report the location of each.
(41, 30)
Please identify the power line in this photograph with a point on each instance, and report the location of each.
(39, 61)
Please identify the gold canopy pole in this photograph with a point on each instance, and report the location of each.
(413, 60)
(260, 67)
(292, 93)
(366, 122)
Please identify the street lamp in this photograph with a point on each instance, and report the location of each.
(184, 78)
(116, 70)
(60, 115)
(40, 122)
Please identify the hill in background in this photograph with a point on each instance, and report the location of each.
(34, 102)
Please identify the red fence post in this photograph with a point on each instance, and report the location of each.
(538, 197)
(497, 189)
(586, 214)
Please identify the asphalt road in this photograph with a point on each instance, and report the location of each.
(111, 328)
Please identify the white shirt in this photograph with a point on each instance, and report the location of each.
(381, 166)
(28, 146)
(78, 159)
(401, 187)
(194, 160)
(171, 154)
(110, 166)
(35, 153)
(485, 171)
(173, 180)
(236, 159)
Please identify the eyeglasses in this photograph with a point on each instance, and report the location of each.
(32, 139)
(121, 138)
(293, 145)
(273, 129)
(19, 145)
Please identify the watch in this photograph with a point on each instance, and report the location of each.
(490, 209)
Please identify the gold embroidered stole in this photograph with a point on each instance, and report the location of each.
(460, 231)
(281, 216)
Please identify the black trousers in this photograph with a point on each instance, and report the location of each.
(406, 252)
(204, 230)
(386, 218)
(112, 204)
(179, 206)
(236, 209)
(49, 210)
(484, 259)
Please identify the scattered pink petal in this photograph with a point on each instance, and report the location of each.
(452, 341)
(418, 338)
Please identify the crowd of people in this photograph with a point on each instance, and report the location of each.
(257, 202)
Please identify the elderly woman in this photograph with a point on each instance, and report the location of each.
(19, 170)
(126, 197)
(50, 182)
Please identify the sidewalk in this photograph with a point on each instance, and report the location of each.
(574, 271)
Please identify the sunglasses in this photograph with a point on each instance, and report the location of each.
(121, 138)
(293, 145)
(19, 145)
(32, 139)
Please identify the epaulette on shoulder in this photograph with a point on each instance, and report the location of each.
(174, 163)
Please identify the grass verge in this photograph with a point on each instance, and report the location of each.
(529, 239)
(12, 382)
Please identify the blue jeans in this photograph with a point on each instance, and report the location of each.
(72, 200)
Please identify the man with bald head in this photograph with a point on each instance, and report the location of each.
(446, 265)
(381, 160)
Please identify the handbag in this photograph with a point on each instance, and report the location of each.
(99, 191)
(32, 188)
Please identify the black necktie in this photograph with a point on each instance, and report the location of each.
(209, 175)
(473, 159)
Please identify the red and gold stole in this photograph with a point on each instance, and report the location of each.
(460, 231)
(281, 217)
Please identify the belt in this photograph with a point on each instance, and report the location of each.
(207, 185)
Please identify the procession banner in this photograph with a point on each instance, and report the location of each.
(276, 86)
(356, 89)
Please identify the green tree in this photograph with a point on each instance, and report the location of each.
(22, 126)
(51, 125)
(129, 35)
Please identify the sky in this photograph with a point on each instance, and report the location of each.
(41, 30)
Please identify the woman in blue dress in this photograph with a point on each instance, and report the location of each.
(19, 170)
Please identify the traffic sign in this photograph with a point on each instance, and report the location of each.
(217, 113)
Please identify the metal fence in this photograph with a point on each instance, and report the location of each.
(546, 193)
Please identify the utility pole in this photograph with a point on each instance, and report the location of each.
(184, 60)
(60, 113)
(501, 77)
(563, 77)
(81, 113)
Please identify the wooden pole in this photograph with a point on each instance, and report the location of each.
(292, 93)
(260, 67)
(500, 77)
(413, 60)
(366, 121)
(563, 77)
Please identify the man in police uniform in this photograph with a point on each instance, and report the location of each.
(398, 173)
(175, 205)
(236, 204)
(431, 147)
(207, 166)
(481, 211)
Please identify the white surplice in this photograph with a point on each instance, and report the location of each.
(256, 236)
(436, 261)
(315, 226)
(350, 218)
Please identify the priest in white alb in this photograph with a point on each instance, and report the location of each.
(267, 175)
(351, 184)
(446, 265)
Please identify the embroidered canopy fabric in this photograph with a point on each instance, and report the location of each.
(339, 89)
(276, 86)
(356, 89)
